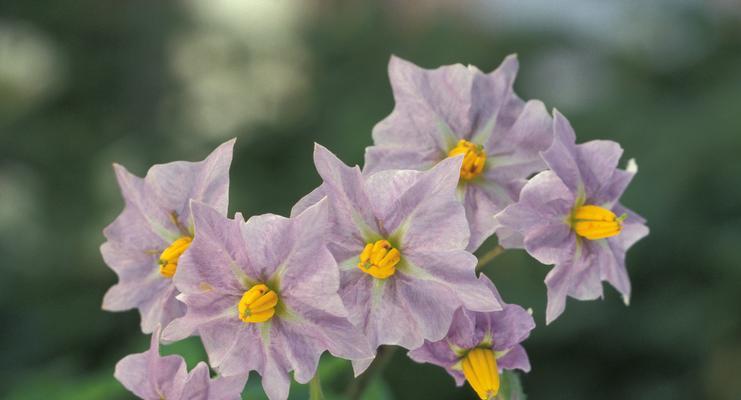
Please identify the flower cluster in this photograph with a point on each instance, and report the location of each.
(378, 256)
(152, 377)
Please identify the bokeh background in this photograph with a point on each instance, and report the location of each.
(90, 82)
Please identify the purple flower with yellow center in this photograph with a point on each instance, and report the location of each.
(152, 377)
(146, 240)
(570, 216)
(262, 295)
(399, 237)
(479, 346)
(456, 110)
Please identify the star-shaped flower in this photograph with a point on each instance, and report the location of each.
(399, 237)
(570, 216)
(456, 110)
(147, 239)
(152, 377)
(480, 345)
(262, 295)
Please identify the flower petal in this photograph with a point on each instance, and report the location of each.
(454, 270)
(612, 256)
(310, 271)
(148, 213)
(427, 214)
(578, 277)
(598, 160)
(432, 106)
(148, 375)
(516, 358)
(352, 213)
(562, 157)
(614, 188)
(204, 308)
(540, 218)
(382, 157)
(494, 105)
(308, 200)
(482, 202)
(514, 153)
(268, 240)
(206, 181)
(217, 257)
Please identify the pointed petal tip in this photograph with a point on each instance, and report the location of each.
(512, 58)
(226, 146)
(558, 115)
(360, 366)
(397, 62)
(321, 152)
(170, 334)
(552, 312)
(111, 301)
(120, 171)
(563, 131)
(452, 163)
(325, 160)
(632, 166)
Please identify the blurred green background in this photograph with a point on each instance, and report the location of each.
(90, 82)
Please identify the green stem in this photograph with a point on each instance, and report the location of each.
(358, 387)
(315, 388)
(488, 256)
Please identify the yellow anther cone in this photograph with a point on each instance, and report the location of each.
(480, 370)
(474, 158)
(170, 256)
(594, 222)
(257, 304)
(379, 259)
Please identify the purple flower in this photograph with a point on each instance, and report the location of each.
(456, 110)
(152, 377)
(155, 228)
(570, 216)
(262, 295)
(480, 345)
(399, 237)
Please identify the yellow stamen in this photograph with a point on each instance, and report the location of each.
(257, 304)
(480, 370)
(379, 259)
(169, 258)
(594, 222)
(474, 158)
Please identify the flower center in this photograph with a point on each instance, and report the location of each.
(594, 222)
(474, 158)
(480, 370)
(257, 304)
(379, 259)
(169, 258)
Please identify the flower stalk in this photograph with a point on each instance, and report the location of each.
(489, 256)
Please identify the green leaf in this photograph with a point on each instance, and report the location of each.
(378, 389)
(511, 387)
(315, 389)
